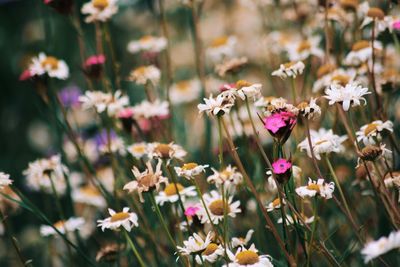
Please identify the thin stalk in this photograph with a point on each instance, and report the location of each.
(225, 235)
(132, 245)
(268, 220)
(220, 142)
(314, 227)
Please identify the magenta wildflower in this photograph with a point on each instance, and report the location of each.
(191, 211)
(396, 25)
(93, 66)
(282, 169)
(61, 6)
(280, 125)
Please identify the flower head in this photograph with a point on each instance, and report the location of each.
(68, 226)
(48, 65)
(124, 218)
(379, 247)
(280, 125)
(372, 133)
(216, 106)
(4, 180)
(99, 10)
(216, 208)
(314, 188)
(190, 170)
(145, 74)
(290, 69)
(148, 180)
(147, 43)
(195, 244)
(349, 95)
(248, 258)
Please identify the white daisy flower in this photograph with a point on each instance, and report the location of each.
(138, 150)
(381, 246)
(40, 172)
(216, 106)
(53, 67)
(301, 50)
(382, 22)
(290, 69)
(244, 90)
(228, 176)
(195, 244)
(248, 258)
(371, 133)
(221, 48)
(275, 204)
(212, 252)
(124, 218)
(89, 195)
(240, 241)
(148, 43)
(4, 180)
(349, 95)
(68, 226)
(190, 170)
(104, 101)
(215, 206)
(361, 52)
(166, 151)
(184, 91)
(145, 74)
(146, 109)
(147, 180)
(99, 10)
(310, 110)
(325, 190)
(328, 74)
(169, 194)
(323, 142)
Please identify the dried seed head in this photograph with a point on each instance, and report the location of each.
(370, 153)
(376, 13)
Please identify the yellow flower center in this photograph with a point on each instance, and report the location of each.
(220, 41)
(139, 149)
(372, 127)
(59, 224)
(52, 62)
(313, 187)
(247, 257)
(376, 13)
(325, 69)
(170, 189)
(242, 83)
(304, 45)
(100, 4)
(183, 85)
(360, 45)
(289, 64)
(120, 216)
(189, 166)
(321, 142)
(302, 106)
(341, 79)
(276, 202)
(140, 70)
(217, 207)
(164, 150)
(146, 38)
(90, 190)
(210, 249)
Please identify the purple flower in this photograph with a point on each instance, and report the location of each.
(69, 96)
(102, 139)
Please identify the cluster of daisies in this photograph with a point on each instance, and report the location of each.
(275, 155)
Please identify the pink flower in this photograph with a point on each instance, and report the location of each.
(281, 166)
(26, 75)
(125, 113)
(95, 60)
(396, 25)
(191, 211)
(227, 86)
(274, 122)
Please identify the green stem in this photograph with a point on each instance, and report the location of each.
(130, 242)
(220, 142)
(314, 227)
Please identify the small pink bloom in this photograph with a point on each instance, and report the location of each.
(274, 123)
(144, 124)
(163, 117)
(46, 2)
(95, 60)
(281, 166)
(396, 25)
(125, 113)
(227, 86)
(191, 211)
(25, 75)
